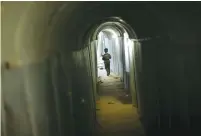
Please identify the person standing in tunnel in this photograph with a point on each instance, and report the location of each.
(106, 58)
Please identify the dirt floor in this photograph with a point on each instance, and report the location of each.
(115, 114)
(117, 117)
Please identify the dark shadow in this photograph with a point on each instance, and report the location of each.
(125, 99)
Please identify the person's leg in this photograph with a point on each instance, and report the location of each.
(106, 68)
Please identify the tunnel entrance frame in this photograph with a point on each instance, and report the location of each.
(122, 27)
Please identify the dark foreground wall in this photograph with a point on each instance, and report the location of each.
(169, 77)
(83, 94)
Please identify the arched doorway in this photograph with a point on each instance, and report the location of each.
(125, 50)
(116, 35)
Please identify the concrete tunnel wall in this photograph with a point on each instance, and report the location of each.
(40, 91)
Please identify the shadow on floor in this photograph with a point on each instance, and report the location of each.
(125, 99)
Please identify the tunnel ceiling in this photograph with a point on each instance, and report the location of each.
(115, 23)
(88, 14)
(135, 15)
(147, 20)
(46, 26)
(110, 31)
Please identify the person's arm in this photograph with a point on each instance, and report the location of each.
(110, 56)
(103, 58)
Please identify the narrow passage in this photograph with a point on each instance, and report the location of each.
(115, 114)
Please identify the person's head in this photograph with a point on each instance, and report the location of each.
(106, 50)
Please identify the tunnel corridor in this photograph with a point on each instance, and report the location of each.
(50, 66)
(115, 113)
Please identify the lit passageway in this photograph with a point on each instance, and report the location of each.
(51, 68)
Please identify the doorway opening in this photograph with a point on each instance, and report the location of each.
(116, 94)
(109, 38)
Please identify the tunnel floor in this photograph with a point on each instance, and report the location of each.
(115, 113)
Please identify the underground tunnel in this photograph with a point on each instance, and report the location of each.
(49, 69)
